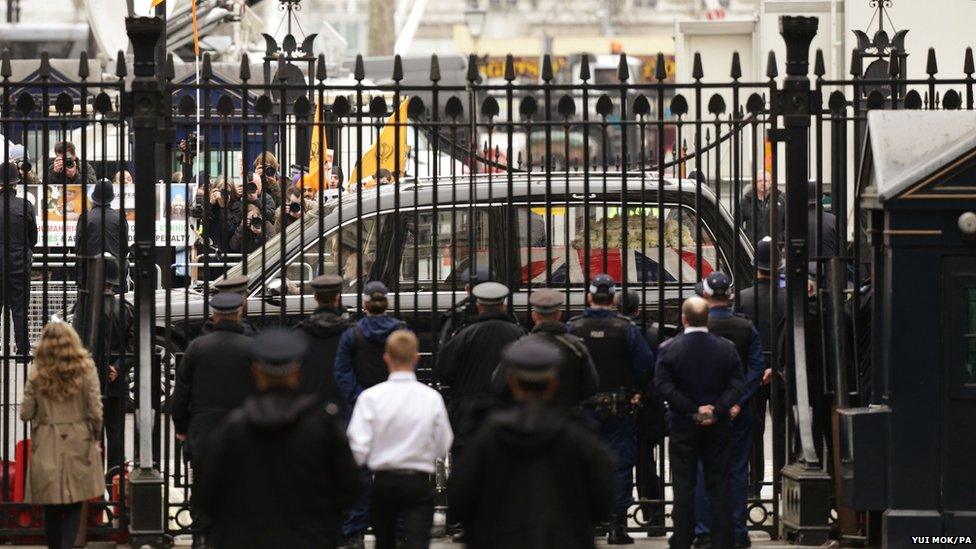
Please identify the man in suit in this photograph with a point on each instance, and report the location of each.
(699, 375)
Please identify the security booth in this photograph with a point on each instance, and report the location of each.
(911, 453)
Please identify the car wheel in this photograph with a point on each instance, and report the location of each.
(166, 354)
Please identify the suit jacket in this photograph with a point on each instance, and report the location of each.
(754, 303)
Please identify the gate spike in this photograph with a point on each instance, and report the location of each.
(584, 73)
(771, 70)
(435, 68)
(473, 75)
(623, 68)
(83, 71)
(170, 68)
(45, 69)
(397, 68)
(894, 65)
(245, 70)
(661, 70)
(206, 70)
(968, 67)
(359, 71)
(120, 69)
(547, 75)
(5, 70)
(931, 65)
(819, 67)
(857, 65)
(321, 71)
(509, 68)
(736, 72)
(697, 73)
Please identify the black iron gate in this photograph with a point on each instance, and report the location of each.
(543, 184)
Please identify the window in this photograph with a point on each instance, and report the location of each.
(598, 238)
(441, 246)
(340, 255)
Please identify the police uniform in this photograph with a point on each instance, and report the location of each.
(279, 471)
(535, 476)
(213, 378)
(623, 361)
(469, 359)
(578, 379)
(740, 331)
(237, 285)
(695, 369)
(359, 365)
(755, 302)
(323, 329)
(16, 252)
(456, 319)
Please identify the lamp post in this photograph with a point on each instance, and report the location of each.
(474, 18)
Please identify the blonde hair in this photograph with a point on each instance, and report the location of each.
(402, 346)
(60, 362)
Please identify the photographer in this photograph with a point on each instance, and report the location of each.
(18, 155)
(67, 167)
(222, 216)
(295, 207)
(267, 169)
(260, 199)
(253, 233)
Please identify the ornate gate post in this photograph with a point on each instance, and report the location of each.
(806, 485)
(143, 105)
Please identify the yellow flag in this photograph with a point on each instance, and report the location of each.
(389, 136)
(157, 2)
(196, 25)
(319, 143)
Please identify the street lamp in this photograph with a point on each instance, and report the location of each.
(474, 18)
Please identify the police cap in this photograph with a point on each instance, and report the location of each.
(9, 174)
(226, 302)
(531, 358)
(278, 351)
(546, 301)
(716, 284)
(628, 302)
(326, 283)
(480, 274)
(490, 293)
(603, 284)
(236, 284)
(374, 291)
(764, 254)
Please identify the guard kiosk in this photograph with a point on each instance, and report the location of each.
(912, 453)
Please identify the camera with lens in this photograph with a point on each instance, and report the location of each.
(257, 222)
(269, 171)
(69, 162)
(252, 187)
(295, 208)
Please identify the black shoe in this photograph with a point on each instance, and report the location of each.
(601, 530)
(742, 544)
(703, 541)
(355, 541)
(200, 542)
(618, 533)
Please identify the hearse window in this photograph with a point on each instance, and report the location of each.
(441, 246)
(336, 259)
(566, 231)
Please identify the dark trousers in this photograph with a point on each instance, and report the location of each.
(61, 523)
(757, 459)
(114, 428)
(738, 469)
(619, 434)
(14, 299)
(202, 523)
(407, 495)
(712, 445)
(648, 481)
(357, 520)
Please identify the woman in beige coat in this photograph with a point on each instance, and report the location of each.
(63, 402)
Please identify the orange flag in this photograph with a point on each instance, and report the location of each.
(196, 26)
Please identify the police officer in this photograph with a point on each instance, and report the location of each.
(651, 427)
(213, 378)
(359, 365)
(279, 470)
(103, 229)
(699, 375)
(110, 350)
(466, 364)
(623, 361)
(457, 318)
(717, 291)
(18, 222)
(577, 374)
(237, 285)
(534, 476)
(757, 303)
(323, 329)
